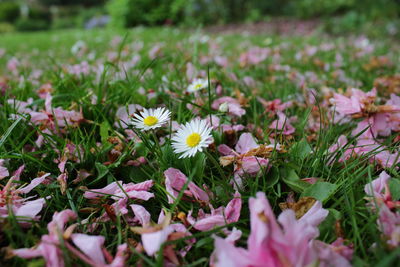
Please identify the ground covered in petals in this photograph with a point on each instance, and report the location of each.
(161, 147)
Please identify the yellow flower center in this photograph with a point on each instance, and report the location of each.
(150, 121)
(198, 86)
(193, 139)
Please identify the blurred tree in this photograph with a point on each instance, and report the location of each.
(72, 2)
(9, 11)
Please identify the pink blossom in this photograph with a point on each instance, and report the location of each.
(154, 238)
(174, 182)
(254, 56)
(218, 217)
(366, 146)
(287, 243)
(275, 106)
(394, 118)
(152, 242)
(79, 69)
(235, 127)
(346, 105)
(92, 246)
(389, 225)
(234, 107)
(118, 190)
(155, 51)
(380, 199)
(3, 170)
(213, 121)
(12, 65)
(49, 248)
(23, 208)
(124, 114)
(141, 214)
(377, 186)
(244, 165)
(283, 124)
(54, 118)
(120, 193)
(245, 143)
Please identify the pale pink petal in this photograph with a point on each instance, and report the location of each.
(315, 215)
(246, 143)
(35, 182)
(152, 241)
(232, 210)
(209, 222)
(226, 254)
(28, 253)
(60, 219)
(141, 214)
(174, 182)
(376, 187)
(225, 150)
(91, 245)
(108, 190)
(120, 257)
(143, 186)
(3, 170)
(30, 208)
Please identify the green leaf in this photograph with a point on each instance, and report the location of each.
(203, 242)
(300, 149)
(394, 187)
(141, 149)
(104, 128)
(293, 181)
(335, 214)
(320, 191)
(4, 137)
(101, 170)
(36, 263)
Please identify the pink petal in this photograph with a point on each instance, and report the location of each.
(59, 220)
(108, 190)
(141, 214)
(30, 208)
(376, 187)
(226, 254)
(174, 182)
(152, 241)
(35, 182)
(90, 245)
(232, 210)
(246, 143)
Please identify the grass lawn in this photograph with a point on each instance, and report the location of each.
(283, 120)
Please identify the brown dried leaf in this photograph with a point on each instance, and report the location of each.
(300, 207)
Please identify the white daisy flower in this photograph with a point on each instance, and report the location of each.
(191, 138)
(197, 85)
(151, 118)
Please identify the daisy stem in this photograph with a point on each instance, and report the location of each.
(209, 94)
(157, 145)
(216, 163)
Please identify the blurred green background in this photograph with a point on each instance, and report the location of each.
(372, 17)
